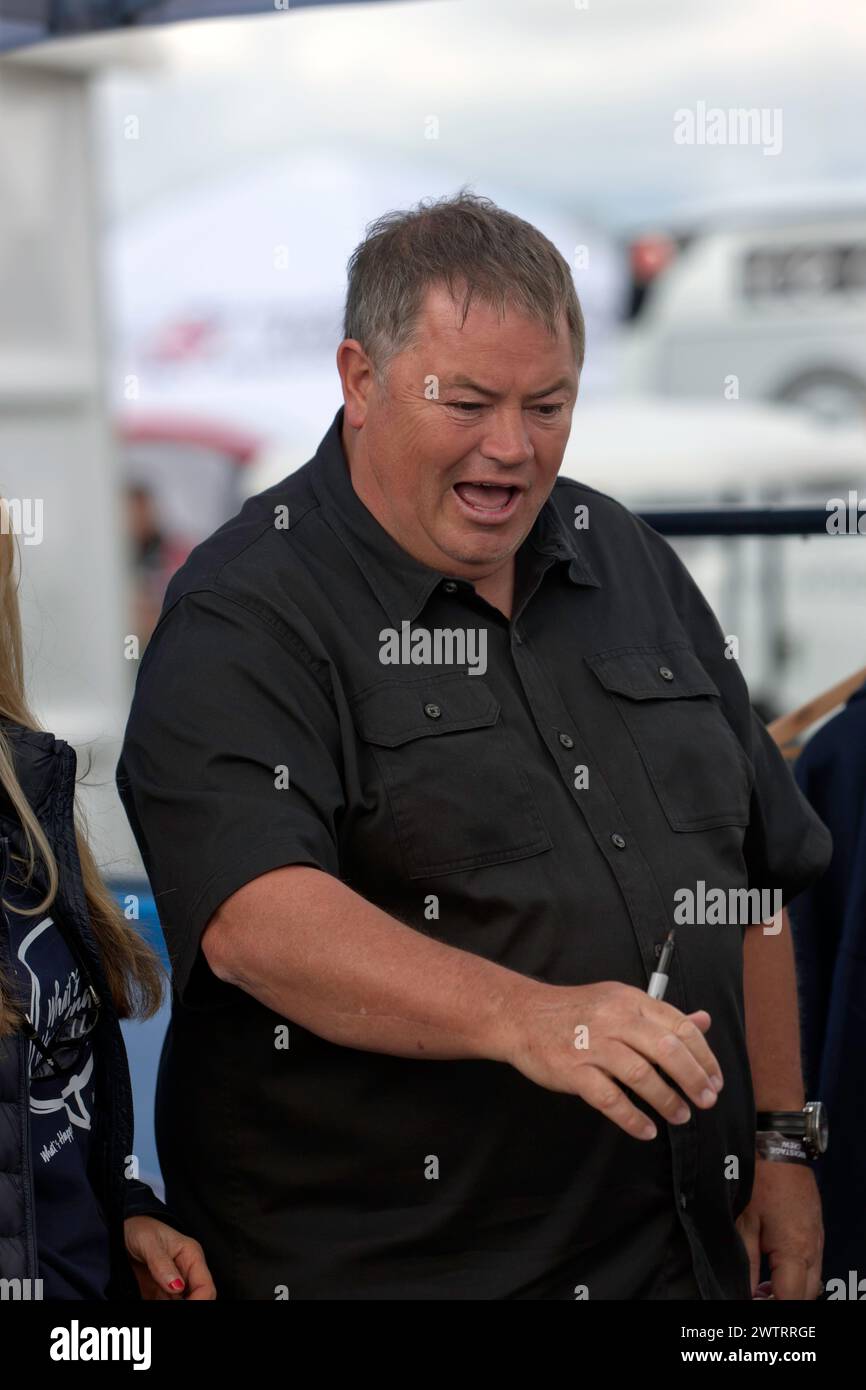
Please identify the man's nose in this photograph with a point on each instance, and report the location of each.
(507, 439)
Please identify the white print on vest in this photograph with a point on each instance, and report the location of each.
(44, 1014)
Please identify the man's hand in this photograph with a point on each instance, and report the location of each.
(584, 1038)
(783, 1221)
(167, 1265)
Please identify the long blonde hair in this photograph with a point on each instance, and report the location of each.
(133, 970)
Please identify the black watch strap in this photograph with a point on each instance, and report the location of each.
(792, 1136)
(792, 1122)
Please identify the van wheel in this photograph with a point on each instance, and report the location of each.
(834, 396)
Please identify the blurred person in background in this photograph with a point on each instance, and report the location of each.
(71, 967)
(829, 926)
(153, 558)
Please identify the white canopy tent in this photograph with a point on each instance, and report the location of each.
(228, 300)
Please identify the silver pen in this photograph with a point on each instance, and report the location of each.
(659, 978)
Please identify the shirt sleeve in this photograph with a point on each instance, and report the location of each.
(141, 1200)
(786, 846)
(229, 767)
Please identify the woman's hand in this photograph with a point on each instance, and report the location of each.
(166, 1264)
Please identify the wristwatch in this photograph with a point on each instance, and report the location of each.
(792, 1136)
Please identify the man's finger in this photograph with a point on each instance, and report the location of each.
(749, 1237)
(666, 1019)
(638, 1073)
(601, 1091)
(814, 1285)
(788, 1276)
(675, 1049)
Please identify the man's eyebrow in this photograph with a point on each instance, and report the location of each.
(469, 384)
(562, 385)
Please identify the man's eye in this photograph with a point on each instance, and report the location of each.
(547, 411)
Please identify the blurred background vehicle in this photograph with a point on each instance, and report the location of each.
(769, 288)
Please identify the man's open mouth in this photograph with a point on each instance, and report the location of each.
(491, 499)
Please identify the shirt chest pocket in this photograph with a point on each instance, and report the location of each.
(672, 710)
(458, 798)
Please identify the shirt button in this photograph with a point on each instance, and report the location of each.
(618, 841)
(566, 740)
(666, 673)
(449, 586)
(432, 711)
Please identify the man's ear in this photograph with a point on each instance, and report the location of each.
(358, 380)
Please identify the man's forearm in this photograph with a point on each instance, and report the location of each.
(309, 948)
(772, 1018)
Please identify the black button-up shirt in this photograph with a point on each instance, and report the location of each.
(534, 790)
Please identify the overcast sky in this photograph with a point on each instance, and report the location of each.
(575, 104)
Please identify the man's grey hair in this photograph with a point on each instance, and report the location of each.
(472, 247)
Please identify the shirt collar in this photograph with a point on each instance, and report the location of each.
(401, 583)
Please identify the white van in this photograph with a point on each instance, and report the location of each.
(760, 300)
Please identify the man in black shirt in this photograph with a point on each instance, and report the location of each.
(427, 753)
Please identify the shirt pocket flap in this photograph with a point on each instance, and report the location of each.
(670, 670)
(395, 712)
(673, 711)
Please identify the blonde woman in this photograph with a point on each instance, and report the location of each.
(70, 968)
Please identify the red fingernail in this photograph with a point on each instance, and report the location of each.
(176, 1284)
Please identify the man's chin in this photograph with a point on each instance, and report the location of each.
(474, 551)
